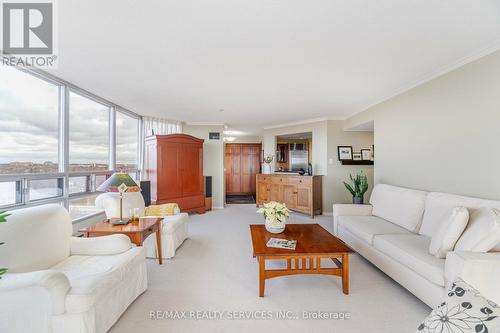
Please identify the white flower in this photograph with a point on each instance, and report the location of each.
(275, 212)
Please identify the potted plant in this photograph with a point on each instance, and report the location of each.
(358, 187)
(276, 215)
(266, 167)
(3, 218)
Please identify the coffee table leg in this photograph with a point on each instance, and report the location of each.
(158, 245)
(262, 279)
(345, 274)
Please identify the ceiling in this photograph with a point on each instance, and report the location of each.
(254, 63)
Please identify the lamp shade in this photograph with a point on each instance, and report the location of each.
(116, 180)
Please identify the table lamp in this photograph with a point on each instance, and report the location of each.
(119, 182)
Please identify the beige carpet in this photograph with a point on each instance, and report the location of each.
(214, 271)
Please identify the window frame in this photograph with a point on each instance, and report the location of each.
(64, 89)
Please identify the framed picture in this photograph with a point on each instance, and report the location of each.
(366, 154)
(345, 153)
(357, 156)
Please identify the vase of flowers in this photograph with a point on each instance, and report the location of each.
(276, 215)
(266, 166)
(357, 187)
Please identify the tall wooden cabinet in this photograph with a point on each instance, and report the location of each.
(242, 163)
(299, 193)
(174, 165)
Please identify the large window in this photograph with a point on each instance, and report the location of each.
(29, 127)
(88, 134)
(33, 133)
(127, 148)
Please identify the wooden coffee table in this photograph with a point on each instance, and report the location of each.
(313, 244)
(137, 231)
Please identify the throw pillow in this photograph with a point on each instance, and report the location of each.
(463, 310)
(448, 234)
(168, 209)
(483, 232)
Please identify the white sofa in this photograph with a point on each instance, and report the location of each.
(394, 233)
(174, 229)
(59, 283)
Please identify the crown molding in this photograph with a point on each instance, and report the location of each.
(303, 122)
(493, 47)
(204, 123)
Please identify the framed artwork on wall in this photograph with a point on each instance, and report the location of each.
(345, 153)
(366, 154)
(357, 156)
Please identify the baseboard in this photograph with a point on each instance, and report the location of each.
(217, 207)
(328, 213)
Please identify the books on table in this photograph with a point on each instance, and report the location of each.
(282, 243)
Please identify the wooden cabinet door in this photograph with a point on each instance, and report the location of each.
(191, 160)
(169, 174)
(234, 178)
(290, 196)
(249, 167)
(275, 192)
(262, 192)
(304, 196)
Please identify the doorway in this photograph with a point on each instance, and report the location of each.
(242, 164)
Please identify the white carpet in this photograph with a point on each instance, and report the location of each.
(214, 271)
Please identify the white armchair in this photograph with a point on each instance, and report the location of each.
(174, 229)
(59, 283)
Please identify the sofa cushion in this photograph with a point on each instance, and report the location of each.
(446, 237)
(438, 207)
(412, 251)
(366, 227)
(398, 205)
(483, 232)
(91, 277)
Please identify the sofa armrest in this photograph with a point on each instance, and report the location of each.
(100, 246)
(55, 284)
(349, 210)
(480, 270)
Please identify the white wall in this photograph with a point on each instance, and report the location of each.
(443, 135)
(213, 159)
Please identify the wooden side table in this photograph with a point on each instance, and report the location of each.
(137, 231)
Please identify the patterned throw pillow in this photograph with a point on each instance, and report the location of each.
(168, 209)
(464, 310)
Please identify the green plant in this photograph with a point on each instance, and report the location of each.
(3, 218)
(275, 212)
(358, 185)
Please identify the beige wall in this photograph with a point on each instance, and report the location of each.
(338, 173)
(213, 159)
(326, 136)
(443, 135)
(247, 139)
(319, 142)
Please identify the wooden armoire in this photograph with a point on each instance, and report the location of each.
(242, 163)
(174, 165)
